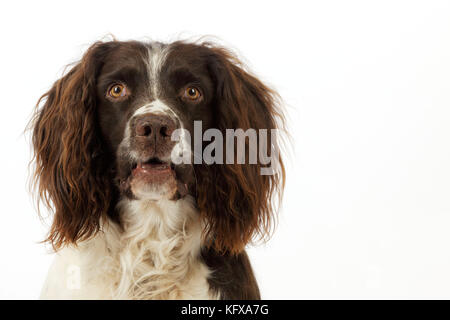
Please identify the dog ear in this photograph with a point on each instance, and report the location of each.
(237, 200)
(69, 175)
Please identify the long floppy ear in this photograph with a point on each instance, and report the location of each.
(69, 173)
(236, 200)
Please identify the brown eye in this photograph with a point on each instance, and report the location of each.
(192, 93)
(117, 91)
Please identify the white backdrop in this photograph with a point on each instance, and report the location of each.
(366, 212)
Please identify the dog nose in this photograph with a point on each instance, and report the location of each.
(154, 126)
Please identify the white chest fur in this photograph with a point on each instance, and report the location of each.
(154, 255)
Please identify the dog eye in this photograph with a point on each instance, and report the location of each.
(192, 93)
(117, 91)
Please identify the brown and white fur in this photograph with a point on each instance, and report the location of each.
(128, 223)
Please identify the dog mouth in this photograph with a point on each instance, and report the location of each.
(154, 166)
(155, 179)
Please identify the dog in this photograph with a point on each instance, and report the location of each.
(136, 214)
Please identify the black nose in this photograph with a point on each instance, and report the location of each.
(153, 126)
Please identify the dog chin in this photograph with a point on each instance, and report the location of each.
(154, 192)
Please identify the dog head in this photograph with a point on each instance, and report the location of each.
(123, 123)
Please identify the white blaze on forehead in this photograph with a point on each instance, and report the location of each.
(157, 56)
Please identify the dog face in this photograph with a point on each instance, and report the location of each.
(145, 92)
(106, 131)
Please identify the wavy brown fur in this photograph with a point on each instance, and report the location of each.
(236, 201)
(69, 174)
